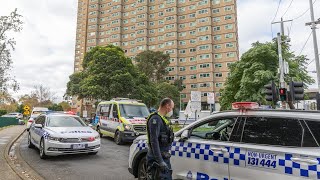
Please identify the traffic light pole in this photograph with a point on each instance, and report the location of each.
(315, 45)
(281, 69)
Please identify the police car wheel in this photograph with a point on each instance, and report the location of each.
(30, 145)
(117, 138)
(42, 150)
(142, 169)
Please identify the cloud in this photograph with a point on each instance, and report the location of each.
(45, 47)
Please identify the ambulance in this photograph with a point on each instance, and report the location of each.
(122, 119)
(246, 143)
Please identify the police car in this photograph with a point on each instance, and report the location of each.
(57, 134)
(246, 143)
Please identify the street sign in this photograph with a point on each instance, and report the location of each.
(26, 113)
(85, 114)
(195, 96)
(210, 98)
(195, 106)
(188, 110)
(26, 108)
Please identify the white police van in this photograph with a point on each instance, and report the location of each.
(244, 144)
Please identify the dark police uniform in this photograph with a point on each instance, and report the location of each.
(160, 138)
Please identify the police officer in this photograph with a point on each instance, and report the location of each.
(160, 137)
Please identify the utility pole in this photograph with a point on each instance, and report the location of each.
(315, 46)
(281, 62)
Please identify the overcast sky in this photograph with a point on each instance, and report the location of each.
(45, 48)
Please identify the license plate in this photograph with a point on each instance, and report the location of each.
(78, 146)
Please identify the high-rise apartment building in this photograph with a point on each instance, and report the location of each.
(200, 35)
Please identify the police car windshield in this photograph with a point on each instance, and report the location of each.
(65, 121)
(131, 111)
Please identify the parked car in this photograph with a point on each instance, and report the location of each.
(57, 134)
(14, 114)
(36, 111)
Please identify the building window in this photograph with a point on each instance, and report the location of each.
(228, 17)
(217, 75)
(183, 51)
(182, 9)
(204, 38)
(228, 64)
(182, 34)
(204, 84)
(216, 28)
(170, 69)
(193, 15)
(219, 85)
(182, 43)
(183, 96)
(214, 2)
(192, 32)
(228, 8)
(230, 54)
(203, 29)
(204, 75)
(216, 19)
(194, 76)
(203, 47)
(217, 37)
(193, 50)
(182, 60)
(228, 26)
(215, 11)
(192, 41)
(229, 35)
(217, 56)
(229, 45)
(193, 86)
(217, 65)
(182, 68)
(193, 68)
(204, 56)
(182, 77)
(191, 59)
(217, 46)
(206, 65)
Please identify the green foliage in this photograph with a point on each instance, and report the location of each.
(166, 89)
(2, 112)
(20, 108)
(153, 64)
(55, 107)
(257, 67)
(65, 106)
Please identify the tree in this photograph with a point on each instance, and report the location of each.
(8, 24)
(257, 67)
(29, 100)
(44, 95)
(55, 107)
(153, 64)
(65, 106)
(166, 89)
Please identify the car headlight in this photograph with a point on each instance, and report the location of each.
(128, 127)
(51, 138)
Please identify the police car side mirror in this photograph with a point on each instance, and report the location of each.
(38, 125)
(185, 135)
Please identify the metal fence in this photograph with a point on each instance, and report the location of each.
(7, 121)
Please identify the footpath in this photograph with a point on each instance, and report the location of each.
(7, 135)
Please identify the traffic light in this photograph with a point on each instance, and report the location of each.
(271, 92)
(283, 94)
(296, 91)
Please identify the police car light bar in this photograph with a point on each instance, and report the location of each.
(245, 105)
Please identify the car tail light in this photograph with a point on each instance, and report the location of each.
(91, 138)
(30, 120)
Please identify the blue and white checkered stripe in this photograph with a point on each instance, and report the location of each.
(299, 169)
(236, 156)
(142, 144)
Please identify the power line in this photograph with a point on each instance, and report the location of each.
(276, 11)
(289, 31)
(287, 8)
(305, 44)
(304, 12)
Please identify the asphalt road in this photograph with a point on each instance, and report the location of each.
(111, 162)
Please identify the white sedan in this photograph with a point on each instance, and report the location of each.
(58, 134)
